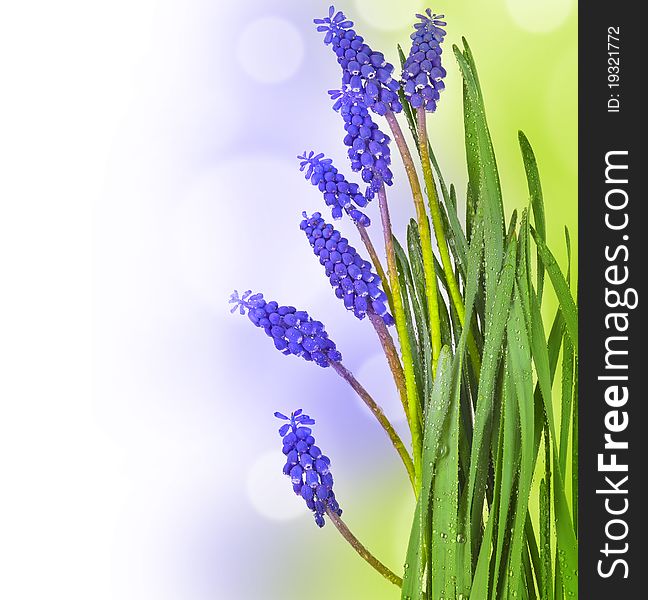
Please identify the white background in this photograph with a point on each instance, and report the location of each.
(66, 74)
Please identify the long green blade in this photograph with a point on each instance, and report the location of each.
(482, 172)
(445, 535)
(519, 352)
(565, 299)
(435, 416)
(537, 201)
(494, 336)
(566, 538)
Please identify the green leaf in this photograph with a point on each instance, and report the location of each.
(494, 336)
(510, 461)
(567, 394)
(414, 571)
(546, 577)
(416, 282)
(519, 352)
(565, 299)
(574, 457)
(445, 487)
(475, 258)
(456, 235)
(419, 544)
(408, 293)
(566, 538)
(537, 202)
(533, 550)
(482, 172)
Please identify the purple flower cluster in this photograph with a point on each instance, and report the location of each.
(292, 331)
(338, 193)
(422, 72)
(352, 278)
(363, 70)
(368, 145)
(307, 467)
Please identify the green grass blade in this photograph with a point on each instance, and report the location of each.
(471, 209)
(480, 583)
(510, 464)
(416, 263)
(565, 299)
(445, 486)
(419, 544)
(410, 304)
(534, 553)
(546, 577)
(567, 394)
(529, 590)
(537, 201)
(414, 570)
(567, 383)
(458, 235)
(449, 324)
(566, 538)
(494, 336)
(574, 457)
(482, 172)
(474, 267)
(519, 352)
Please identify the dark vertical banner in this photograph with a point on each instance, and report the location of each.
(612, 271)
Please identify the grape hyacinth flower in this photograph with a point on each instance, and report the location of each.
(293, 331)
(368, 145)
(363, 70)
(338, 193)
(307, 467)
(352, 278)
(422, 72)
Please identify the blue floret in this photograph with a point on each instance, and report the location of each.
(363, 70)
(368, 146)
(292, 331)
(308, 469)
(422, 72)
(339, 194)
(351, 276)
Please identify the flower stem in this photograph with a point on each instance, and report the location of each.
(414, 406)
(361, 550)
(435, 211)
(343, 372)
(391, 353)
(431, 291)
(442, 243)
(364, 235)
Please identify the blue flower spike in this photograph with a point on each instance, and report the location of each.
(338, 193)
(351, 276)
(368, 145)
(363, 70)
(422, 72)
(292, 331)
(307, 467)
